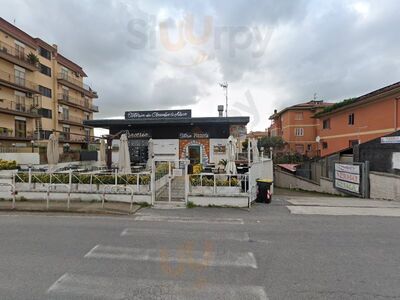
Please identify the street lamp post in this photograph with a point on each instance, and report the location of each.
(33, 145)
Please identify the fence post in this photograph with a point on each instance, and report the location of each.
(30, 177)
(215, 186)
(13, 190)
(116, 177)
(153, 181)
(70, 179)
(91, 182)
(137, 182)
(169, 182)
(186, 181)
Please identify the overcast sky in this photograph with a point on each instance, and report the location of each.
(147, 55)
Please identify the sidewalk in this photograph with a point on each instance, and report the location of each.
(37, 206)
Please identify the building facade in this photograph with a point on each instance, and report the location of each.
(175, 135)
(41, 92)
(359, 120)
(297, 127)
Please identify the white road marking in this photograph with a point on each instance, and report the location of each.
(344, 211)
(210, 235)
(152, 218)
(97, 287)
(343, 202)
(184, 255)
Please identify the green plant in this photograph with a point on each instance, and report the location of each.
(337, 105)
(197, 169)
(190, 204)
(32, 59)
(223, 162)
(8, 164)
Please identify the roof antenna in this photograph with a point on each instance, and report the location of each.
(315, 96)
(15, 21)
(224, 85)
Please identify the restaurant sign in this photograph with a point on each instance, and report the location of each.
(138, 134)
(390, 140)
(158, 114)
(194, 135)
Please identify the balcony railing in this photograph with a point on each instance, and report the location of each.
(69, 118)
(21, 106)
(18, 81)
(10, 134)
(77, 102)
(77, 83)
(74, 138)
(17, 55)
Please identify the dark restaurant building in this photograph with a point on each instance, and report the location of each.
(175, 134)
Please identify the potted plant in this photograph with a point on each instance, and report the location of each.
(32, 59)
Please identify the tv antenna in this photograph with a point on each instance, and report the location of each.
(224, 85)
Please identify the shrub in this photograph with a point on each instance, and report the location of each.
(8, 164)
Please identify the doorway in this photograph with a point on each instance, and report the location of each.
(194, 154)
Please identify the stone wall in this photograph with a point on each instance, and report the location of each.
(384, 186)
(286, 180)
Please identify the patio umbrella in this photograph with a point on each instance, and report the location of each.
(150, 154)
(124, 160)
(53, 154)
(256, 153)
(102, 153)
(230, 167)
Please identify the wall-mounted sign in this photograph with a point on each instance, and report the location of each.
(390, 140)
(194, 135)
(238, 131)
(347, 178)
(219, 149)
(158, 114)
(138, 135)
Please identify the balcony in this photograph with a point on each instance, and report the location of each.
(76, 84)
(78, 103)
(71, 120)
(17, 57)
(18, 83)
(67, 137)
(24, 107)
(8, 134)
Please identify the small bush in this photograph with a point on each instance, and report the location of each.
(8, 164)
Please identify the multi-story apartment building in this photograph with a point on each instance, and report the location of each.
(41, 92)
(297, 127)
(359, 120)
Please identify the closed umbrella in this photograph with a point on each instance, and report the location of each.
(256, 153)
(53, 153)
(150, 151)
(124, 160)
(230, 167)
(102, 153)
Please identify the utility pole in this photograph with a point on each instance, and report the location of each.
(224, 85)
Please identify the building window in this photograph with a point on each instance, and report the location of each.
(19, 74)
(326, 124)
(19, 50)
(65, 114)
(45, 91)
(299, 131)
(20, 128)
(66, 133)
(299, 148)
(45, 53)
(45, 113)
(324, 145)
(298, 116)
(64, 73)
(45, 70)
(309, 147)
(351, 119)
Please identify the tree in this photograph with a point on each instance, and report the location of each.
(275, 142)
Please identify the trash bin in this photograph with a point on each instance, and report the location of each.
(264, 194)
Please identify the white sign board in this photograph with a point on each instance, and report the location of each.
(396, 160)
(355, 188)
(390, 140)
(347, 177)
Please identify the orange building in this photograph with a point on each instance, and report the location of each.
(359, 120)
(298, 127)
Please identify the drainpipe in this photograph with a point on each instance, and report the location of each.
(396, 101)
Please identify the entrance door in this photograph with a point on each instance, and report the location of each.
(194, 154)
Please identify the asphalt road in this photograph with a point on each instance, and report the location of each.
(207, 253)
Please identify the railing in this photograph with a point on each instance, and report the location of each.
(71, 119)
(24, 105)
(18, 81)
(74, 137)
(84, 182)
(76, 82)
(17, 53)
(217, 181)
(79, 102)
(9, 133)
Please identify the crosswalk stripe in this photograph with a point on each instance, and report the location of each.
(84, 286)
(186, 255)
(210, 235)
(152, 218)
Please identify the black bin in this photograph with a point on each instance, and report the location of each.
(264, 194)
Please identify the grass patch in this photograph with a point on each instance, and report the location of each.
(190, 204)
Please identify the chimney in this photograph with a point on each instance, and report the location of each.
(275, 111)
(220, 110)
